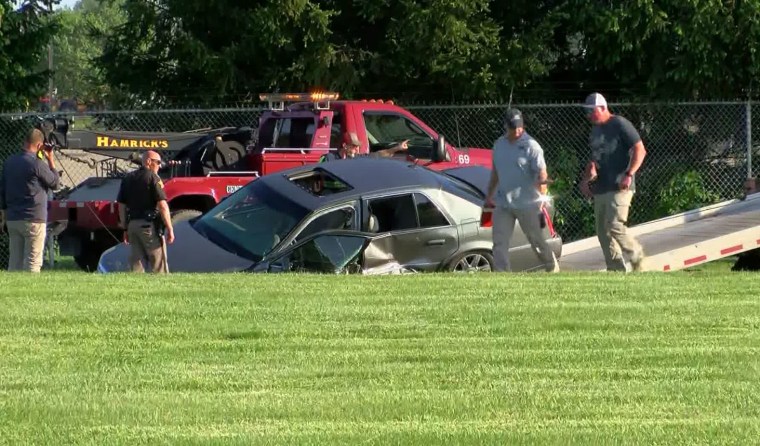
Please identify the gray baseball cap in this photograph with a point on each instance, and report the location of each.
(514, 118)
(595, 100)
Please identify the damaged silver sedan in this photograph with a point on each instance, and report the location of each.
(362, 216)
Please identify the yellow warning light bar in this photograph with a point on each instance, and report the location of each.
(291, 97)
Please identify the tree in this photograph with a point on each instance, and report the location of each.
(676, 49)
(77, 46)
(210, 52)
(24, 35)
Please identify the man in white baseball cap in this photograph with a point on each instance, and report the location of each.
(617, 153)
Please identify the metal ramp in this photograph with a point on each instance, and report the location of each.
(681, 240)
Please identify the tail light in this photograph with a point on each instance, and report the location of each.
(548, 221)
(486, 217)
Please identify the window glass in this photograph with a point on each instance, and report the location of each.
(429, 214)
(387, 129)
(394, 213)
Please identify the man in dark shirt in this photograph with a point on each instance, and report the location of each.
(617, 153)
(24, 189)
(142, 201)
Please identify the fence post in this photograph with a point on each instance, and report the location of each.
(749, 138)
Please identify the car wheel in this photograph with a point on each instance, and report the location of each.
(471, 262)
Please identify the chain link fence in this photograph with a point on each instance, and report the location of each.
(698, 153)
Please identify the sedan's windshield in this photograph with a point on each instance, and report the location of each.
(251, 221)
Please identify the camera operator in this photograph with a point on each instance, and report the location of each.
(144, 215)
(24, 190)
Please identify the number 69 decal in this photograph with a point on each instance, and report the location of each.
(464, 159)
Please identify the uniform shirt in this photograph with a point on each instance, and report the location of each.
(610, 149)
(517, 165)
(329, 156)
(24, 188)
(140, 192)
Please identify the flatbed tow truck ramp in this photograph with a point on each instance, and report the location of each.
(681, 240)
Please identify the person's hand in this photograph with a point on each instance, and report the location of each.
(403, 145)
(625, 181)
(125, 238)
(490, 203)
(586, 189)
(170, 235)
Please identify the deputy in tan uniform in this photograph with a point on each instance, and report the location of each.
(141, 197)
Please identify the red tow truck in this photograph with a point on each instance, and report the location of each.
(201, 169)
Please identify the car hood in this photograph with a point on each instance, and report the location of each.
(190, 252)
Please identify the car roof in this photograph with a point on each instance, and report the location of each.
(365, 175)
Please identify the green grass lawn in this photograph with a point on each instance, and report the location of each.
(476, 359)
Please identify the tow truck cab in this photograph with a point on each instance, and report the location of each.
(314, 124)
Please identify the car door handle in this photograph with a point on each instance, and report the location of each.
(435, 242)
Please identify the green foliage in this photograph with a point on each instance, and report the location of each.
(79, 43)
(684, 192)
(24, 35)
(210, 52)
(674, 49)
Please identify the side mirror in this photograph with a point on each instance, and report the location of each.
(439, 149)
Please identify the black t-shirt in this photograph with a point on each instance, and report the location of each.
(140, 192)
(610, 146)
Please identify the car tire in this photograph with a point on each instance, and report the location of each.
(184, 214)
(89, 257)
(470, 262)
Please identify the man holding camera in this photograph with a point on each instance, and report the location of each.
(24, 190)
(144, 214)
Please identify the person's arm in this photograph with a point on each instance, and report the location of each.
(402, 146)
(123, 215)
(492, 183)
(163, 207)
(589, 175)
(48, 176)
(538, 164)
(636, 153)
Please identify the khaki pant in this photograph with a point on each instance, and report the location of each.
(26, 241)
(503, 227)
(146, 244)
(611, 215)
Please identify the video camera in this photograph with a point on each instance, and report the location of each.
(54, 130)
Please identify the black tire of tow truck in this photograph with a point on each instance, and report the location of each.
(88, 259)
(184, 214)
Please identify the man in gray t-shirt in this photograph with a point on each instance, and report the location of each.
(518, 177)
(617, 153)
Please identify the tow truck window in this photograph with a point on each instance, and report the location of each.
(387, 129)
(336, 131)
(292, 133)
